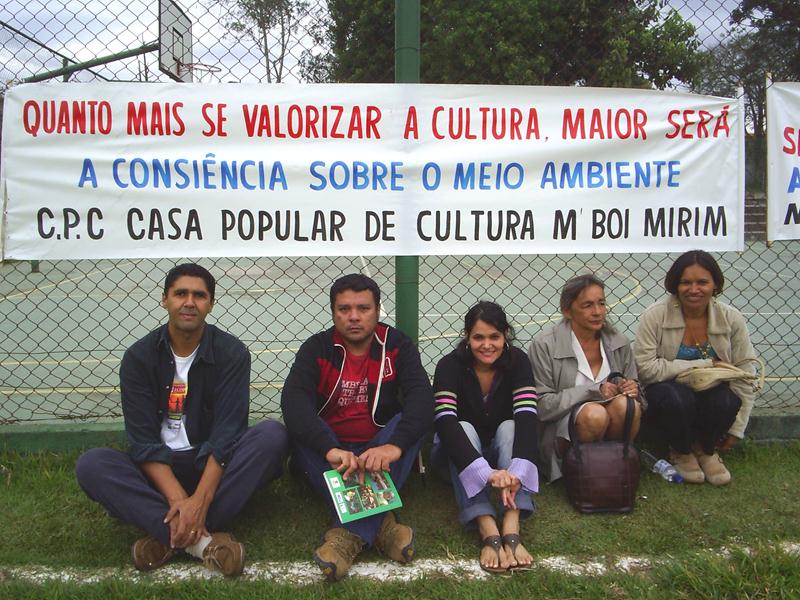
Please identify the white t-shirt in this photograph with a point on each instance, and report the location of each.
(584, 375)
(173, 428)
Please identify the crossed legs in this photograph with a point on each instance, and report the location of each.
(112, 479)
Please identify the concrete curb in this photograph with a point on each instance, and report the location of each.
(78, 436)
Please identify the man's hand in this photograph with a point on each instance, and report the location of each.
(187, 521)
(379, 458)
(186, 516)
(343, 461)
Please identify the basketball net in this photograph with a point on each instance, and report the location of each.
(201, 72)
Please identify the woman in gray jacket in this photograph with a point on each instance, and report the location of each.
(582, 359)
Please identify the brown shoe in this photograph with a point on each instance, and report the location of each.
(395, 540)
(224, 554)
(715, 471)
(687, 466)
(338, 551)
(148, 553)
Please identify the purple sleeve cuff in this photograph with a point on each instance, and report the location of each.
(475, 476)
(527, 472)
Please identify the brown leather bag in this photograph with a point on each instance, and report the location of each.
(601, 476)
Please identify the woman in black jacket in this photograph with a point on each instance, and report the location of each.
(486, 425)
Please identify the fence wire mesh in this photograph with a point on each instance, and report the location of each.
(64, 325)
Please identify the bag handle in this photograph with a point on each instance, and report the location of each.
(756, 379)
(614, 377)
(629, 412)
(759, 378)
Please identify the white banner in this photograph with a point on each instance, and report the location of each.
(113, 170)
(783, 158)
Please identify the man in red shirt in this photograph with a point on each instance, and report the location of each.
(342, 406)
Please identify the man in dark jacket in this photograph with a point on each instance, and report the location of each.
(357, 400)
(192, 463)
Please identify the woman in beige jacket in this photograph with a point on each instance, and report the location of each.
(691, 328)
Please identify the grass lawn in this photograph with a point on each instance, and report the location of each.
(47, 521)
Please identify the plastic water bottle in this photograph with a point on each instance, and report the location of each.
(661, 467)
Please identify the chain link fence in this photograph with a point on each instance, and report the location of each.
(64, 325)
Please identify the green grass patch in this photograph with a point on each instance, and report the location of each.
(48, 521)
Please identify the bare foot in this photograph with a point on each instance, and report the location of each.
(517, 554)
(493, 557)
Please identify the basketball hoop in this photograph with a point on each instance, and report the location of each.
(199, 70)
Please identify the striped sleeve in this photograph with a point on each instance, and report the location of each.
(525, 402)
(525, 399)
(446, 404)
(446, 388)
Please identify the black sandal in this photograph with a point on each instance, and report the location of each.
(512, 540)
(494, 542)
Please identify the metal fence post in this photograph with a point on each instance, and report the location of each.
(406, 70)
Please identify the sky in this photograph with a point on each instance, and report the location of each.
(86, 29)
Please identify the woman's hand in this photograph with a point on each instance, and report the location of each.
(501, 478)
(728, 442)
(508, 495)
(608, 390)
(629, 387)
(508, 484)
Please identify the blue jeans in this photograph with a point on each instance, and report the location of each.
(312, 465)
(498, 455)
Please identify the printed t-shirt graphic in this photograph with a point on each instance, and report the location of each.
(173, 427)
(175, 404)
(348, 412)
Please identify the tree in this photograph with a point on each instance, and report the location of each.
(766, 40)
(584, 42)
(776, 24)
(261, 20)
(742, 62)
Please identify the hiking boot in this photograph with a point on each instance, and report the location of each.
(395, 540)
(148, 553)
(687, 466)
(224, 554)
(714, 469)
(338, 551)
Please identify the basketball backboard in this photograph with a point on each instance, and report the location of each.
(174, 41)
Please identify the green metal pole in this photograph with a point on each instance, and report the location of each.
(406, 70)
(69, 69)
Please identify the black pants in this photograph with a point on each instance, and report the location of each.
(684, 417)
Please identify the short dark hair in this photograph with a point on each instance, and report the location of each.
(687, 259)
(190, 270)
(492, 314)
(573, 288)
(355, 282)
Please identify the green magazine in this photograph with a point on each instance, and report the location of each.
(354, 500)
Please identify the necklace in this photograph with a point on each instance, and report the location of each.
(702, 347)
